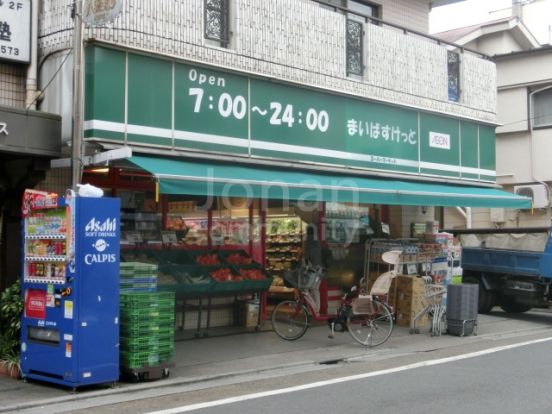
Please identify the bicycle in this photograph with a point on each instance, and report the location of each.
(367, 318)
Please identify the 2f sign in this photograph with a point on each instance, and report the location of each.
(439, 140)
(15, 30)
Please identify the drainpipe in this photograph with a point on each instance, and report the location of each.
(532, 140)
(31, 86)
(467, 214)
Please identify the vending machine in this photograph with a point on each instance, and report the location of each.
(70, 284)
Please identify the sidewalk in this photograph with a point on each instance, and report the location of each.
(199, 360)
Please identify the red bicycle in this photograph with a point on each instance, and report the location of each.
(367, 318)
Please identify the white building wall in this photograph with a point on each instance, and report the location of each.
(513, 158)
(512, 110)
(537, 16)
(520, 159)
(524, 70)
(454, 220)
(522, 156)
(495, 42)
(413, 14)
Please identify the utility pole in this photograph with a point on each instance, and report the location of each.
(76, 157)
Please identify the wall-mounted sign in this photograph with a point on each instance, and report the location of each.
(133, 98)
(439, 140)
(15, 30)
(101, 12)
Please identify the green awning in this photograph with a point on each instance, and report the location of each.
(178, 176)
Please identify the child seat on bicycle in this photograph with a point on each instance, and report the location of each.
(363, 304)
(383, 282)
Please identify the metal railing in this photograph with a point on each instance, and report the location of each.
(375, 20)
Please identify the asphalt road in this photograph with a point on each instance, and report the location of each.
(512, 381)
(411, 374)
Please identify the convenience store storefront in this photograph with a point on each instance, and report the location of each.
(201, 134)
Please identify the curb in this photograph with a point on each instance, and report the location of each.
(126, 389)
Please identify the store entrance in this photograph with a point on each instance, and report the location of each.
(225, 258)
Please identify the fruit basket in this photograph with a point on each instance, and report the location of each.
(235, 257)
(255, 278)
(191, 279)
(226, 278)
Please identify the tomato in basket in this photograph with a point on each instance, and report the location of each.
(238, 259)
(208, 259)
(223, 274)
(252, 274)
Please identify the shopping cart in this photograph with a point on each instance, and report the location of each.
(435, 307)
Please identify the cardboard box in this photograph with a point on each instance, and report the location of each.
(410, 300)
(411, 283)
(405, 317)
(248, 315)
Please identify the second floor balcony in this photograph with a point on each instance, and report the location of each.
(305, 42)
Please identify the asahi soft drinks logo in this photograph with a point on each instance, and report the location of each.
(100, 230)
(97, 228)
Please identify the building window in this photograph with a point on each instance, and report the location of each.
(215, 20)
(542, 109)
(363, 8)
(355, 34)
(359, 9)
(453, 65)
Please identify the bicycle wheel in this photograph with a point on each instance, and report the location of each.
(371, 329)
(290, 320)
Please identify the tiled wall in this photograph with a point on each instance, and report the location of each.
(12, 85)
(300, 42)
(57, 180)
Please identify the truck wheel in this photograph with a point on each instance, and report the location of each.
(487, 298)
(511, 306)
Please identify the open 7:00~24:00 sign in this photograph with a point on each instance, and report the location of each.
(236, 106)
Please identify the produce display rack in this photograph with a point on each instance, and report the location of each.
(185, 265)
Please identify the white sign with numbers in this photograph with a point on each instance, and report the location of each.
(15, 30)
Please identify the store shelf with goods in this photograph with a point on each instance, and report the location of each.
(44, 247)
(282, 255)
(284, 249)
(346, 224)
(139, 227)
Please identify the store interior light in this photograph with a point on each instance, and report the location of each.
(103, 170)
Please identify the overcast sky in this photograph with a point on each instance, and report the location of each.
(466, 13)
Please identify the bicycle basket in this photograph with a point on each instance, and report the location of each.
(303, 277)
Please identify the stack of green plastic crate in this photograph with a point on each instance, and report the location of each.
(138, 277)
(147, 329)
(147, 320)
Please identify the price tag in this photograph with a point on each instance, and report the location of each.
(133, 236)
(169, 237)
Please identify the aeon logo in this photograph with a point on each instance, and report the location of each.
(109, 225)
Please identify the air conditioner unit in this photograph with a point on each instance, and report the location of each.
(537, 192)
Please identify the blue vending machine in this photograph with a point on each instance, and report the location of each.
(70, 283)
